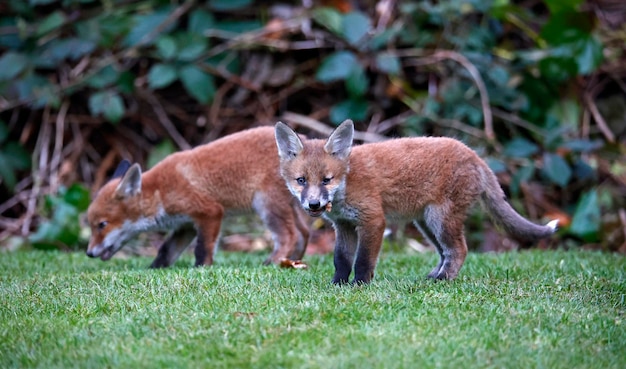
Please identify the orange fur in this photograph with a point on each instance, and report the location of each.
(236, 173)
(428, 180)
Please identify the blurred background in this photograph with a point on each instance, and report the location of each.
(537, 88)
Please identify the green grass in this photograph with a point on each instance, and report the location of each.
(517, 310)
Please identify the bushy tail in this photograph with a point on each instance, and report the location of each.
(506, 217)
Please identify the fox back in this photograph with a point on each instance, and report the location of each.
(428, 180)
(236, 173)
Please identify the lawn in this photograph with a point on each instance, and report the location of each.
(516, 310)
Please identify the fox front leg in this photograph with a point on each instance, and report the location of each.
(208, 228)
(370, 243)
(345, 248)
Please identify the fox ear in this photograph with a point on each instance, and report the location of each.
(121, 169)
(339, 143)
(130, 184)
(288, 142)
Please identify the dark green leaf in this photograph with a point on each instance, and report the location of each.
(499, 75)
(166, 46)
(520, 148)
(159, 152)
(78, 196)
(224, 5)
(496, 165)
(126, 83)
(558, 69)
(388, 63)
(198, 83)
(557, 6)
(17, 156)
(329, 18)
(556, 169)
(349, 109)
(337, 66)
(583, 145)
(161, 75)
(9, 40)
(522, 175)
(588, 54)
(50, 23)
(355, 27)
(200, 21)
(12, 64)
(59, 50)
(7, 173)
(4, 131)
(146, 28)
(104, 77)
(586, 219)
(38, 91)
(190, 46)
(357, 82)
(107, 103)
(583, 171)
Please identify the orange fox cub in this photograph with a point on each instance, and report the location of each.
(237, 172)
(430, 181)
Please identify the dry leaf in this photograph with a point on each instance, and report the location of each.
(293, 264)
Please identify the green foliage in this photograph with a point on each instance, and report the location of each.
(431, 67)
(61, 229)
(159, 152)
(518, 310)
(586, 220)
(13, 158)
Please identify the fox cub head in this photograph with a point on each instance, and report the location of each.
(315, 171)
(114, 212)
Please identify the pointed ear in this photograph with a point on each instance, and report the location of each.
(339, 143)
(130, 184)
(288, 142)
(121, 169)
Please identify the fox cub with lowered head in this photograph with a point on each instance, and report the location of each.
(237, 172)
(431, 181)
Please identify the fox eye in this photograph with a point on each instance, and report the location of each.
(326, 180)
(101, 225)
(301, 181)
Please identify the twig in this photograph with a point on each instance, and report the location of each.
(593, 109)
(520, 122)
(39, 170)
(55, 162)
(388, 124)
(165, 120)
(439, 55)
(384, 9)
(320, 127)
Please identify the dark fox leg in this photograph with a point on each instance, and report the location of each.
(172, 247)
(208, 228)
(448, 233)
(423, 228)
(370, 243)
(345, 248)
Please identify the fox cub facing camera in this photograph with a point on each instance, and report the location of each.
(431, 181)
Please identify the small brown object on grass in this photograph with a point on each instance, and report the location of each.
(293, 264)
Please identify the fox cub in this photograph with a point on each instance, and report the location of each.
(237, 172)
(431, 181)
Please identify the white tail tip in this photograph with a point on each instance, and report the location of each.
(553, 224)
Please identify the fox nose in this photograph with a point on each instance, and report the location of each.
(314, 205)
(90, 253)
